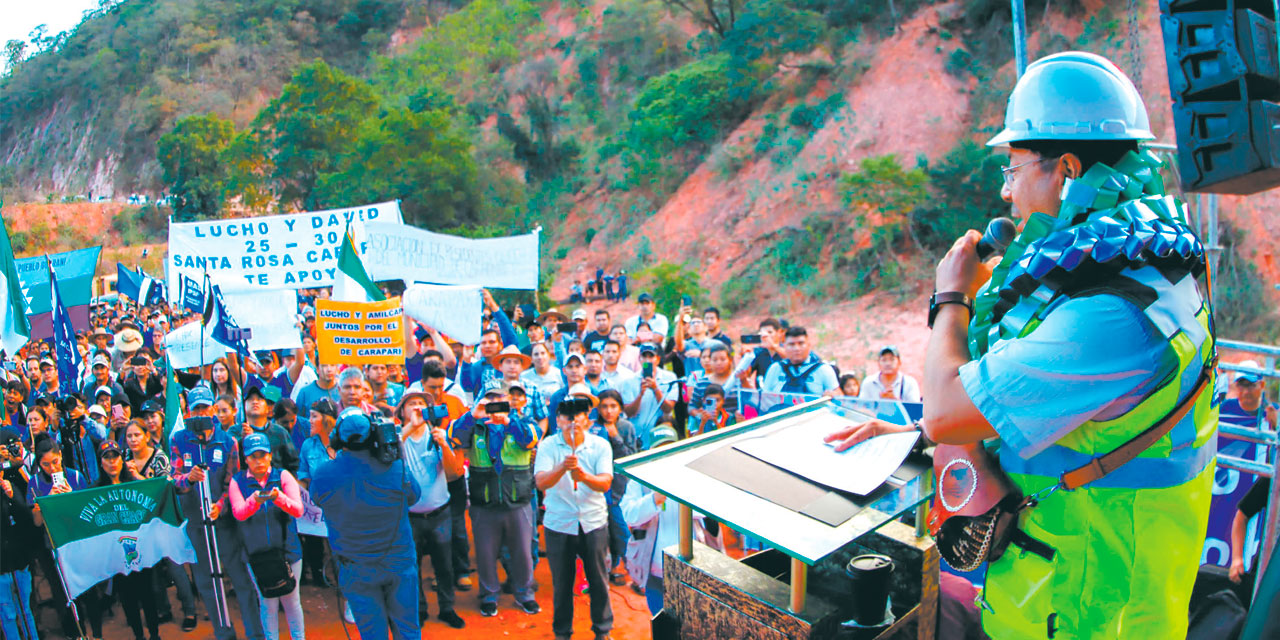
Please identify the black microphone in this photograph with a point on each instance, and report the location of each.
(998, 236)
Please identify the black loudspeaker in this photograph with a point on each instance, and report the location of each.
(1223, 58)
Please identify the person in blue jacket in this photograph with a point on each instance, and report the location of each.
(366, 505)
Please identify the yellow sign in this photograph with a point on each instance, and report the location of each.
(360, 332)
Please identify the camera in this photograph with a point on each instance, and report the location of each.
(751, 338)
(435, 415)
(567, 327)
(573, 406)
(386, 435)
(497, 407)
(14, 449)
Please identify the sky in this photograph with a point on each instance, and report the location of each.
(19, 17)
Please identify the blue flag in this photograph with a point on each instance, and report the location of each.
(221, 326)
(64, 339)
(192, 295)
(138, 286)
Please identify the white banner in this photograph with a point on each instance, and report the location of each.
(453, 311)
(311, 523)
(402, 252)
(182, 345)
(273, 316)
(293, 251)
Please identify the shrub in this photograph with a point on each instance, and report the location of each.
(667, 282)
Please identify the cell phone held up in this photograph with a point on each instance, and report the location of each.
(435, 415)
(646, 369)
(567, 327)
(497, 407)
(751, 338)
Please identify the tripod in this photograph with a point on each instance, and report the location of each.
(211, 548)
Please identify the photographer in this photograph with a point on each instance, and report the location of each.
(19, 540)
(365, 502)
(265, 501)
(433, 464)
(499, 446)
(657, 396)
(203, 450)
(575, 469)
(80, 437)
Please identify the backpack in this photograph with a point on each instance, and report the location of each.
(796, 383)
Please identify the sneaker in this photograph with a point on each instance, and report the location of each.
(463, 584)
(347, 615)
(189, 623)
(618, 579)
(602, 636)
(531, 607)
(452, 619)
(488, 609)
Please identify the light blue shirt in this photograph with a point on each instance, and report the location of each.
(567, 508)
(426, 465)
(1092, 358)
(819, 381)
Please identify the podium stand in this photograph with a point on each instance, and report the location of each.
(797, 588)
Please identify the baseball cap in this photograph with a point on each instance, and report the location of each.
(574, 356)
(662, 434)
(47, 361)
(200, 396)
(108, 447)
(645, 297)
(498, 386)
(101, 390)
(579, 314)
(256, 442)
(352, 423)
(269, 393)
(8, 436)
(151, 406)
(1249, 376)
(888, 348)
(325, 406)
(96, 409)
(647, 348)
(101, 361)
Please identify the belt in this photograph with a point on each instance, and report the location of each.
(428, 514)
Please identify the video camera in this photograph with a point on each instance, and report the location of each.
(386, 438)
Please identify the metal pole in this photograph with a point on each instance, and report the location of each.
(686, 532)
(211, 548)
(1019, 11)
(1268, 531)
(799, 585)
(1211, 238)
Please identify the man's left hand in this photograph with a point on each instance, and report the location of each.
(1270, 414)
(960, 270)
(849, 436)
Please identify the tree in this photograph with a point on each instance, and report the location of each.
(189, 158)
(419, 158)
(668, 282)
(312, 123)
(14, 52)
(717, 15)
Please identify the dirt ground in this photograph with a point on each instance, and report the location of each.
(323, 614)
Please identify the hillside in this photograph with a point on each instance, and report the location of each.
(802, 158)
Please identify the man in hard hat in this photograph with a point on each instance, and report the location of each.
(1090, 331)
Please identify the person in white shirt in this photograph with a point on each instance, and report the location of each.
(621, 378)
(658, 324)
(656, 397)
(543, 375)
(890, 383)
(575, 469)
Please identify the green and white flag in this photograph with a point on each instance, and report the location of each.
(353, 283)
(121, 528)
(15, 329)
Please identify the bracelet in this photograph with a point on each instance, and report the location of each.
(948, 297)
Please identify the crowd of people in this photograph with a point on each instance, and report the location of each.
(511, 441)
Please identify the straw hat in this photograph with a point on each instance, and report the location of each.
(510, 351)
(128, 340)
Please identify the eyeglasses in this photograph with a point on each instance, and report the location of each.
(1010, 172)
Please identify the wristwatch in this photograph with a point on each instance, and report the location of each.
(948, 297)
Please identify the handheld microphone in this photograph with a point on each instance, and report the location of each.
(998, 236)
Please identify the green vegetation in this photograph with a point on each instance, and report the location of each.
(1241, 309)
(190, 157)
(667, 282)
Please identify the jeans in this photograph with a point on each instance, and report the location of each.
(563, 550)
(433, 535)
(181, 582)
(290, 602)
(619, 534)
(653, 594)
(16, 620)
(458, 513)
(380, 591)
(493, 527)
(137, 598)
(236, 566)
(313, 556)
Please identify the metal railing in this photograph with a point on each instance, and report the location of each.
(1259, 435)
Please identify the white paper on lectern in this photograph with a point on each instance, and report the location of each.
(859, 469)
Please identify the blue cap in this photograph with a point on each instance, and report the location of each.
(199, 396)
(1249, 376)
(353, 423)
(648, 348)
(256, 442)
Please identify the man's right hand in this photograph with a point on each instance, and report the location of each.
(569, 463)
(659, 499)
(6, 487)
(1236, 573)
(196, 475)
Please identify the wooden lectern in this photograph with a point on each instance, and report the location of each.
(797, 587)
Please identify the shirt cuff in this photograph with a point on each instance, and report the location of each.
(972, 381)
